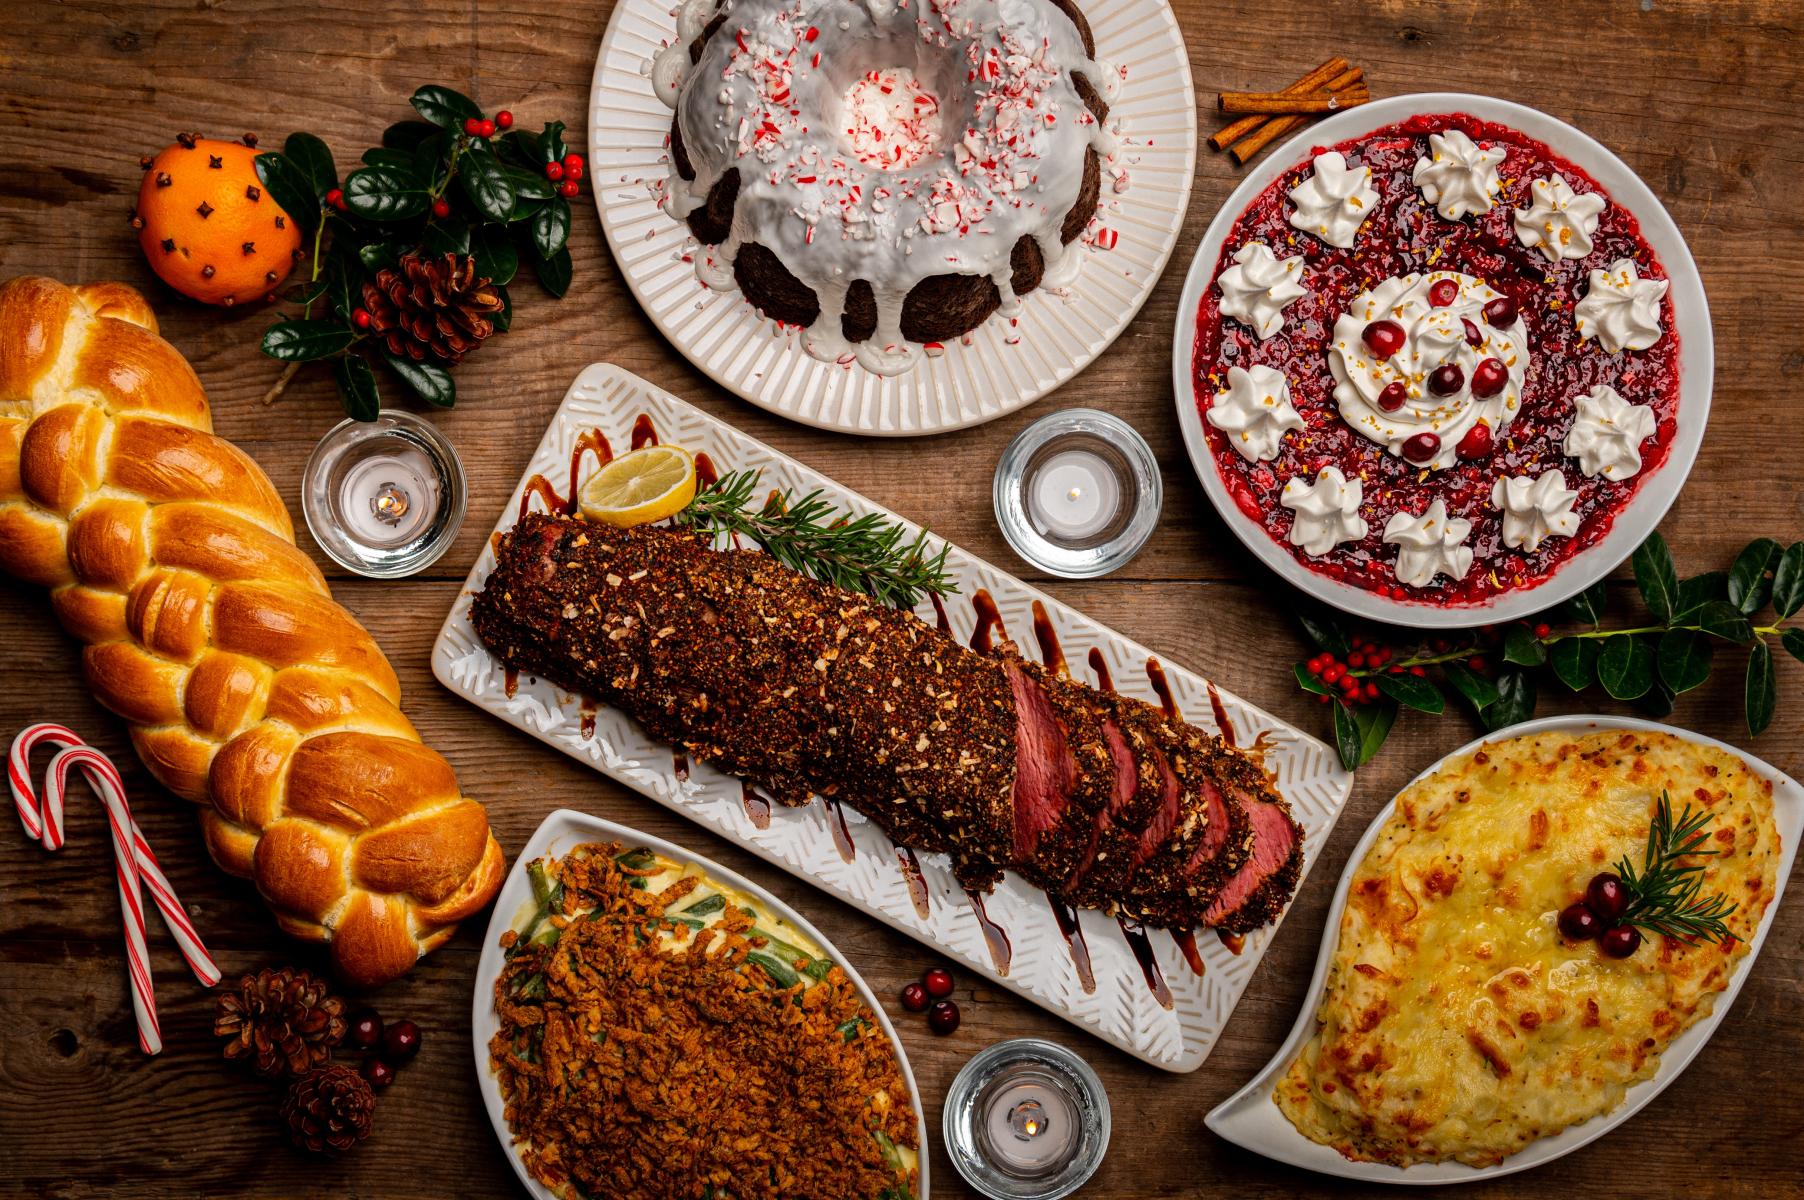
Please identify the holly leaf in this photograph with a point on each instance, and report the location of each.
(1659, 700)
(344, 278)
(530, 186)
(485, 181)
(551, 143)
(1788, 581)
(445, 108)
(496, 258)
(1515, 701)
(1698, 591)
(357, 387)
(1625, 667)
(1588, 605)
(289, 188)
(386, 193)
(505, 317)
(1412, 691)
(1761, 694)
(1574, 662)
(1325, 632)
(306, 341)
(1522, 647)
(313, 159)
(1749, 582)
(430, 383)
(522, 149)
(1308, 682)
(551, 228)
(1719, 618)
(1656, 576)
(1478, 689)
(376, 255)
(378, 156)
(1793, 641)
(1684, 659)
(1360, 731)
(448, 235)
(405, 135)
(554, 272)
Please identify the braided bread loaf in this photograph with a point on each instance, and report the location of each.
(168, 552)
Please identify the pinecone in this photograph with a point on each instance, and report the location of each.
(431, 306)
(284, 1020)
(328, 1109)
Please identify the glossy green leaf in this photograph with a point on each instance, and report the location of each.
(1656, 576)
(1574, 662)
(554, 272)
(405, 135)
(1761, 693)
(1721, 619)
(1515, 701)
(378, 156)
(530, 185)
(1308, 682)
(357, 387)
(505, 317)
(1522, 647)
(386, 193)
(522, 149)
(1788, 581)
(1325, 632)
(485, 182)
(551, 142)
(1478, 689)
(313, 159)
(1412, 692)
(344, 281)
(1659, 700)
(305, 341)
(1361, 730)
(1750, 584)
(1588, 605)
(377, 255)
(551, 228)
(496, 258)
(429, 382)
(1684, 659)
(289, 187)
(1793, 641)
(1625, 667)
(1698, 591)
(445, 108)
(449, 235)
(305, 292)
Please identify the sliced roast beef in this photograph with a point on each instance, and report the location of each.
(1055, 823)
(1261, 887)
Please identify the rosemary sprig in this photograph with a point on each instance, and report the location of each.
(1663, 894)
(864, 554)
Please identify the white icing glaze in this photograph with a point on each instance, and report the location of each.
(1327, 511)
(1256, 288)
(1003, 160)
(1535, 509)
(1334, 201)
(1432, 335)
(1429, 545)
(1458, 177)
(1621, 309)
(1607, 433)
(1255, 412)
(1558, 221)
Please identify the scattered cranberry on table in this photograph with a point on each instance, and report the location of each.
(939, 983)
(943, 1018)
(364, 1029)
(914, 998)
(400, 1042)
(378, 1072)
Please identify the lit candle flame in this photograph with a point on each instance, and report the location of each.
(389, 504)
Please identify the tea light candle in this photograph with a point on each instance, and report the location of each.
(1026, 1120)
(385, 497)
(1030, 1126)
(390, 496)
(1077, 493)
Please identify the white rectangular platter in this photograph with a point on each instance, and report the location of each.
(1119, 1004)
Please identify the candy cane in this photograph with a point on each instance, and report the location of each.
(136, 867)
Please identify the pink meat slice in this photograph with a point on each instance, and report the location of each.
(1274, 844)
(1215, 833)
(1165, 817)
(1127, 780)
(1045, 771)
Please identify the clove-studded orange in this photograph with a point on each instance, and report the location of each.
(207, 225)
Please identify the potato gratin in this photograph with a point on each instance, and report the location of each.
(1458, 1024)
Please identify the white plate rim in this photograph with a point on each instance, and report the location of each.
(1691, 318)
(877, 416)
(1251, 1119)
(549, 838)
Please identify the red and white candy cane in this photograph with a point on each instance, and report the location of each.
(136, 867)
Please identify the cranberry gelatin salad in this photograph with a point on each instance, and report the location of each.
(1436, 361)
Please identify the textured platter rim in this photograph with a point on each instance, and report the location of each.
(558, 834)
(1250, 1118)
(1691, 320)
(1175, 1039)
(968, 384)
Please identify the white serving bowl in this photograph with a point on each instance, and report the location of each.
(1251, 1118)
(562, 832)
(1691, 319)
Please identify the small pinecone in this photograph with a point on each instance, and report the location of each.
(284, 1021)
(431, 306)
(328, 1109)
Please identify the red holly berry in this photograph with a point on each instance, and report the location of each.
(1369, 692)
(441, 208)
(504, 119)
(914, 998)
(572, 159)
(573, 170)
(939, 983)
(568, 189)
(1333, 673)
(1419, 672)
(473, 126)
(485, 128)
(1476, 662)
(336, 198)
(1356, 659)
(361, 318)
(1543, 629)
(554, 171)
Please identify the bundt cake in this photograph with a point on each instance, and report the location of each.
(884, 173)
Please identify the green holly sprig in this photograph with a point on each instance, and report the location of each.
(1497, 671)
(453, 183)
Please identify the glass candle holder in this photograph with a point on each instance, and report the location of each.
(386, 497)
(1026, 1120)
(1077, 493)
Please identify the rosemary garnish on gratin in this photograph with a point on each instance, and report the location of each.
(869, 553)
(1664, 894)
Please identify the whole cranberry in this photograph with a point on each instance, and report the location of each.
(1477, 443)
(1422, 447)
(1501, 312)
(1393, 396)
(1474, 335)
(1619, 941)
(939, 983)
(942, 1018)
(1489, 376)
(1446, 379)
(1607, 895)
(1579, 923)
(400, 1042)
(379, 1073)
(1443, 292)
(364, 1030)
(914, 998)
(1384, 337)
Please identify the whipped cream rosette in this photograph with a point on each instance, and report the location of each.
(1258, 287)
(1621, 309)
(1255, 412)
(1558, 221)
(1457, 176)
(1418, 365)
(1429, 545)
(1535, 509)
(1334, 201)
(1607, 432)
(1327, 511)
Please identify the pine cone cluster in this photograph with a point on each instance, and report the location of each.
(431, 307)
(283, 1021)
(328, 1109)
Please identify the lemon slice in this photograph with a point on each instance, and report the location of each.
(638, 488)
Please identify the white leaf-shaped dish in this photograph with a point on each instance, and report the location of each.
(1250, 1117)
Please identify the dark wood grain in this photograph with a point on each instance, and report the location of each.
(1702, 98)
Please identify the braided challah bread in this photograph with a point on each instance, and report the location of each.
(170, 555)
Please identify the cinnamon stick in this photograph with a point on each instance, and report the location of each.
(1277, 103)
(1244, 150)
(1314, 81)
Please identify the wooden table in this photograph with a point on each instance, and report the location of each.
(1702, 98)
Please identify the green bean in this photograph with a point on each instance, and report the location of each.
(781, 972)
(540, 876)
(706, 905)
